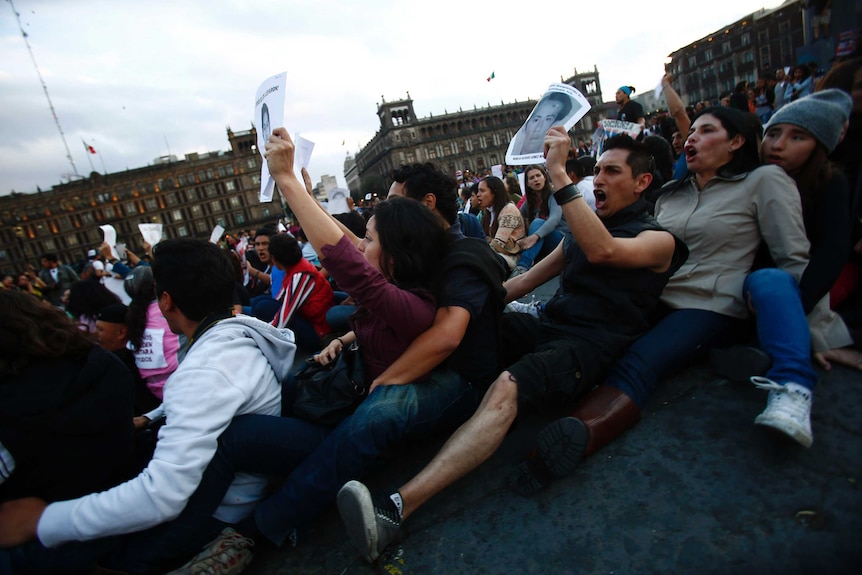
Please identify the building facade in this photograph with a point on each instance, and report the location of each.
(188, 197)
(471, 140)
(755, 45)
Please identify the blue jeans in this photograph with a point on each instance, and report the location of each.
(542, 248)
(391, 414)
(782, 328)
(681, 338)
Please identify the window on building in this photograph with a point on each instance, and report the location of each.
(765, 60)
(197, 211)
(763, 36)
(131, 208)
(216, 207)
(692, 61)
(108, 212)
(211, 190)
(432, 153)
(239, 218)
(229, 185)
(191, 195)
(746, 39)
(201, 226)
(87, 218)
(725, 47)
(172, 199)
(708, 55)
(71, 240)
(152, 204)
(182, 231)
(177, 215)
(234, 201)
(251, 163)
(255, 179)
(264, 211)
(3, 255)
(221, 221)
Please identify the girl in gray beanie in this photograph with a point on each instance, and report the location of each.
(799, 137)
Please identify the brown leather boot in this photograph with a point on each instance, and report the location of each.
(603, 415)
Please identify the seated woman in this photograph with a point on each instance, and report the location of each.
(152, 340)
(543, 217)
(724, 209)
(501, 220)
(799, 138)
(305, 295)
(65, 405)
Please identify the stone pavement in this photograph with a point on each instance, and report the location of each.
(696, 487)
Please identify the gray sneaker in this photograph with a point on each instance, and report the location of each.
(372, 526)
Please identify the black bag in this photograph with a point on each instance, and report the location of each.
(326, 394)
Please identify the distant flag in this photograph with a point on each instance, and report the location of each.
(342, 142)
(491, 77)
(88, 147)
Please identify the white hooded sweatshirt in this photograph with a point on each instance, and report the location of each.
(234, 368)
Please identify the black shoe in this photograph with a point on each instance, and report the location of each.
(560, 449)
(738, 363)
(371, 525)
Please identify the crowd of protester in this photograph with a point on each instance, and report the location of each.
(726, 233)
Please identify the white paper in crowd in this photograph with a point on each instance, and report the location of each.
(268, 115)
(302, 154)
(337, 201)
(523, 182)
(281, 228)
(562, 105)
(120, 248)
(612, 128)
(658, 90)
(216, 234)
(497, 171)
(152, 233)
(117, 287)
(110, 238)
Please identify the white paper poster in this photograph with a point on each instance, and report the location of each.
(151, 355)
(612, 128)
(336, 201)
(268, 114)
(562, 105)
(110, 238)
(216, 234)
(152, 233)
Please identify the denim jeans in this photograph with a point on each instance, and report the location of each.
(782, 328)
(542, 248)
(678, 340)
(391, 414)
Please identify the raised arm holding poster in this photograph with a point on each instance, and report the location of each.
(561, 105)
(268, 113)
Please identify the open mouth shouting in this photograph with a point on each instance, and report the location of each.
(601, 198)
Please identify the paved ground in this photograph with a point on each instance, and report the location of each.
(694, 488)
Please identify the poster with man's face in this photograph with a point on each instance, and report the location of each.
(561, 105)
(268, 114)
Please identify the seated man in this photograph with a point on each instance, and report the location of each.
(233, 366)
(612, 273)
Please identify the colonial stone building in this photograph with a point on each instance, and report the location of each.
(742, 51)
(189, 197)
(464, 140)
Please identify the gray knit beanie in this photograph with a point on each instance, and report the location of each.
(822, 113)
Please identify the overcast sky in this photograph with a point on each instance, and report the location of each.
(139, 79)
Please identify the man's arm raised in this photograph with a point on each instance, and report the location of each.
(650, 249)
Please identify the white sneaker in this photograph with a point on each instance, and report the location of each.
(788, 409)
(227, 554)
(534, 308)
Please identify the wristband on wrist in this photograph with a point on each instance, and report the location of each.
(566, 194)
(341, 341)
